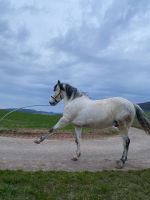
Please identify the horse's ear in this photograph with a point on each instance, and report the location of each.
(60, 85)
(59, 82)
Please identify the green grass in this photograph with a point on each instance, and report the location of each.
(18, 185)
(21, 120)
(18, 120)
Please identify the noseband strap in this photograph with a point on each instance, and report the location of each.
(54, 98)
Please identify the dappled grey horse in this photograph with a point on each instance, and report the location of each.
(81, 111)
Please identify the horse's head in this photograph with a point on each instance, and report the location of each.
(58, 94)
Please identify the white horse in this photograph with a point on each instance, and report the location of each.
(81, 111)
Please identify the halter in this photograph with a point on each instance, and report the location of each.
(57, 96)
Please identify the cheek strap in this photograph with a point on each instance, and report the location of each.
(54, 98)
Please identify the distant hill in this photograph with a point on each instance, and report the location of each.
(31, 111)
(145, 106)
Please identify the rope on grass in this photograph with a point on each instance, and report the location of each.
(4, 116)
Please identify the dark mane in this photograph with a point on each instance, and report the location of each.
(72, 92)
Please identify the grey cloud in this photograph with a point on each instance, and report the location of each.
(4, 27)
(30, 8)
(102, 55)
(16, 55)
(22, 34)
(5, 7)
(93, 45)
(88, 39)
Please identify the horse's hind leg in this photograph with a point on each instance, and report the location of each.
(78, 131)
(126, 142)
(123, 127)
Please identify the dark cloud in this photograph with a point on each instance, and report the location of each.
(4, 27)
(102, 45)
(104, 51)
(22, 34)
(5, 7)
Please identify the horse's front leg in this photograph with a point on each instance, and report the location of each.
(78, 132)
(60, 124)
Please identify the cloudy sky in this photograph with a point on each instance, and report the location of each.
(101, 47)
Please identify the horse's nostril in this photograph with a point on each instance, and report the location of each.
(50, 103)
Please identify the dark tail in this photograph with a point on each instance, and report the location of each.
(143, 120)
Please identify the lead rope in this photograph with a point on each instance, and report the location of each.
(38, 140)
(3, 117)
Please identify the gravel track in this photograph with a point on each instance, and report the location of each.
(97, 154)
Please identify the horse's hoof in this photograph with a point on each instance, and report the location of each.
(78, 154)
(37, 141)
(119, 164)
(74, 159)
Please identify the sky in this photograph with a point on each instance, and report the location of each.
(100, 47)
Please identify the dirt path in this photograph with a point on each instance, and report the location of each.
(97, 154)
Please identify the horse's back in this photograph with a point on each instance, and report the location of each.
(121, 103)
(100, 113)
(113, 104)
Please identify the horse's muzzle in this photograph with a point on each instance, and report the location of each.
(52, 103)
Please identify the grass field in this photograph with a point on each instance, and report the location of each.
(18, 185)
(39, 121)
(19, 120)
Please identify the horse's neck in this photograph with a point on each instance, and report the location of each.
(66, 101)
